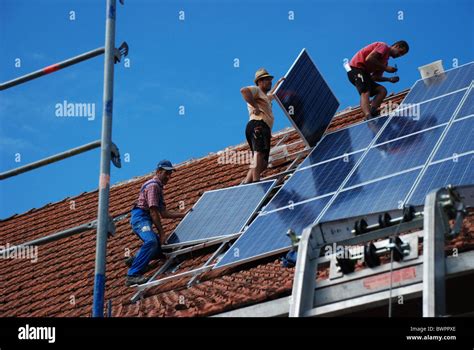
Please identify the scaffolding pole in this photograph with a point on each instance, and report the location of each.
(52, 68)
(105, 158)
(51, 159)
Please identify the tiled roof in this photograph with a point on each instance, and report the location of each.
(60, 283)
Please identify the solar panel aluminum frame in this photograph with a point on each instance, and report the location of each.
(260, 203)
(283, 107)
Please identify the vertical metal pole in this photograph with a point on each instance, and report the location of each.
(434, 261)
(304, 283)
(104, 179)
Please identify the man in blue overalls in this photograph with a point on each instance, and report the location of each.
(148, 209)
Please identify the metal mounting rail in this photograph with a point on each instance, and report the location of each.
(441, 206)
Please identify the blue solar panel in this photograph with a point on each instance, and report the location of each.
(379, 196)
(267, 234)
(314, 182)
(344, 141)
(383, 173)
(221, 212)
(449, 81)
(395, 156)
(307, 99)
(459, 139)
(456, 171)
(431, 113)
(467, 107)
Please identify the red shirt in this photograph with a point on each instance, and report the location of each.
(358, 61)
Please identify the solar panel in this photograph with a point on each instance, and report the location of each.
(458, 140)
(344, 141)
(378, 196)
(267, 234)
(468, 106)
(395, 156)
(447, 82)
(395, 160)
(307, 99)
(454, 171)
(221, 212)
(315, 181)
(421, 116)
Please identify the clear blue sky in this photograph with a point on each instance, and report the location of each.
(186, 63)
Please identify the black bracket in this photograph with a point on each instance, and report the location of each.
(121, 51)
(116, 156)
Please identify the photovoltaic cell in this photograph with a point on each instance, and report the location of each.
(344, 141)
(393, 167)
(459, 139)
(313, 182)
(383, 195)
(221, 212)
(307, 99)
(267, 233)
(449, 81)
(396, 156)
(408, 121)
(456, 171)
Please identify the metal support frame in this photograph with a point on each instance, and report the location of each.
(64, 234)
(194, 273)
(440, 207)
(351, 293)
(118, 53)
(105, 158)
(60, 156)
(109, 151)
(52, 68)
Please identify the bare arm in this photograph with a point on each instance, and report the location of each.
(375, 60)
(382, 78)
(272, 91)
(172, 214)
(155, 217)
(248, 97)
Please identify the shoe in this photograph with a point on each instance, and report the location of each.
(374, 112)
(135, 279)
(129, 261)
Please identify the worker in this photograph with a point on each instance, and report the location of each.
(148, 209)
(368, 66)
(259, 129)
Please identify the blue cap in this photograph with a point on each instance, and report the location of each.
(166, 165)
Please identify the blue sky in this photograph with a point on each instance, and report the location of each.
(186, 63)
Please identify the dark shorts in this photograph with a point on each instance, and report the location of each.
(259, 135)
(362, 81)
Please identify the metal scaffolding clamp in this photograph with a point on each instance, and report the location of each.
(121, 51)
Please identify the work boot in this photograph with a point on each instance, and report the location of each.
(129, 263)
(135, 279)
(374, 112)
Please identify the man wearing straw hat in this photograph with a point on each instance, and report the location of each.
(259, 128)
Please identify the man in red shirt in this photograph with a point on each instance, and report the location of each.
(368, 66)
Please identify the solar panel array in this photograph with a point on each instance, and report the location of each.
(221, 212)
(307, 99)
(374, 166)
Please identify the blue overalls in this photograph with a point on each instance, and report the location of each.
(142, 226)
